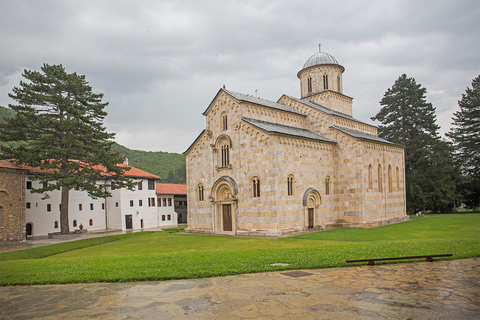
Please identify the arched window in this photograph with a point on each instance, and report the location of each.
(225, 155)
(290, 185)
(200, 192)
(74, 223)
(390, 182)
(309, 84)
(370, 177)
(222, 147)
(55, 224)
(255, 187)
(398, 179)
(224, 122)
(325, 81)
(90, 222)
(380, 185)
(327, 185)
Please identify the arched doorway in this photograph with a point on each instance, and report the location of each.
(29, 229)
(224, 198)
(311, 201)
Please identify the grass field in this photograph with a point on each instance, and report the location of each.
(164, 255)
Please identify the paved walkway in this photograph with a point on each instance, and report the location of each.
(423, 290)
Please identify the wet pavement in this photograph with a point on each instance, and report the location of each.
(448, 289)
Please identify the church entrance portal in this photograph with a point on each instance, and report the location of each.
(224, 199)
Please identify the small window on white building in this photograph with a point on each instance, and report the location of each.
(49, 207)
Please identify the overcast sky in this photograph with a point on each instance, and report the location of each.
(160, 63)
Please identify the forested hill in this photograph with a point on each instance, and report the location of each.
(5, 112)
(169, 166)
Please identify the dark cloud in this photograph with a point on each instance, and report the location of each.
(160, 63)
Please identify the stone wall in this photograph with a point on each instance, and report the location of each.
(12, 205)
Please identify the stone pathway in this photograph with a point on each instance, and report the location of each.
(423, 290)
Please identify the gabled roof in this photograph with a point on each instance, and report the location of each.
(4, 164)
(194, 142)
(275, 128)
(365, 136)
(327, 110)
(240, 97)
(171, 188)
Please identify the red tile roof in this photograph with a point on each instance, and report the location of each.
(4, 164)
(131, 173)
(171, 188)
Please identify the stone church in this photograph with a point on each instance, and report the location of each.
(274, 168)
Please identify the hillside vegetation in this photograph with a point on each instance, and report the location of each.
(169, 166)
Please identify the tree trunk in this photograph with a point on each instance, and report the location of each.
(64, 227)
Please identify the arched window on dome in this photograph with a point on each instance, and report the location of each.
(309, 84)
(325, 81)
(338, 84)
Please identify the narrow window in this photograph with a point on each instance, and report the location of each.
(169, 202)
(164, 202)
(370, 177)
(309, 85)
(131, 203)
(153, 202)
(327, 185)
(116, 204)
(398, 179)
(149, 202)
(29, 185)
(1, 216)
(49, 207)
(103, 206)
(325, 81)
(55, 224)
(163, 217)
(80, 207)
(60, 207)
(91, 206)
(74, 223)
(390, 182)
(380, 185)
(140, 185)
(28, 205)
(338, 84)
(140, 203)
(224, 122)
(90, 222)
(256, 187)
(45, 184)
(200, 192)
(169, 217)
(290, 185)
(151, 184)
(159, 203)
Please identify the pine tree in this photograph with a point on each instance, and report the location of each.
(408, 119)
(59, 121)
(465, 135)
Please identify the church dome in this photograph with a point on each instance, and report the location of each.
(320, 58)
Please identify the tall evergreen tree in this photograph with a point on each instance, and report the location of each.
(60, 121)
(408, 119)
(465, 134)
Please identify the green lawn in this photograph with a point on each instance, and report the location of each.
(166, 255)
